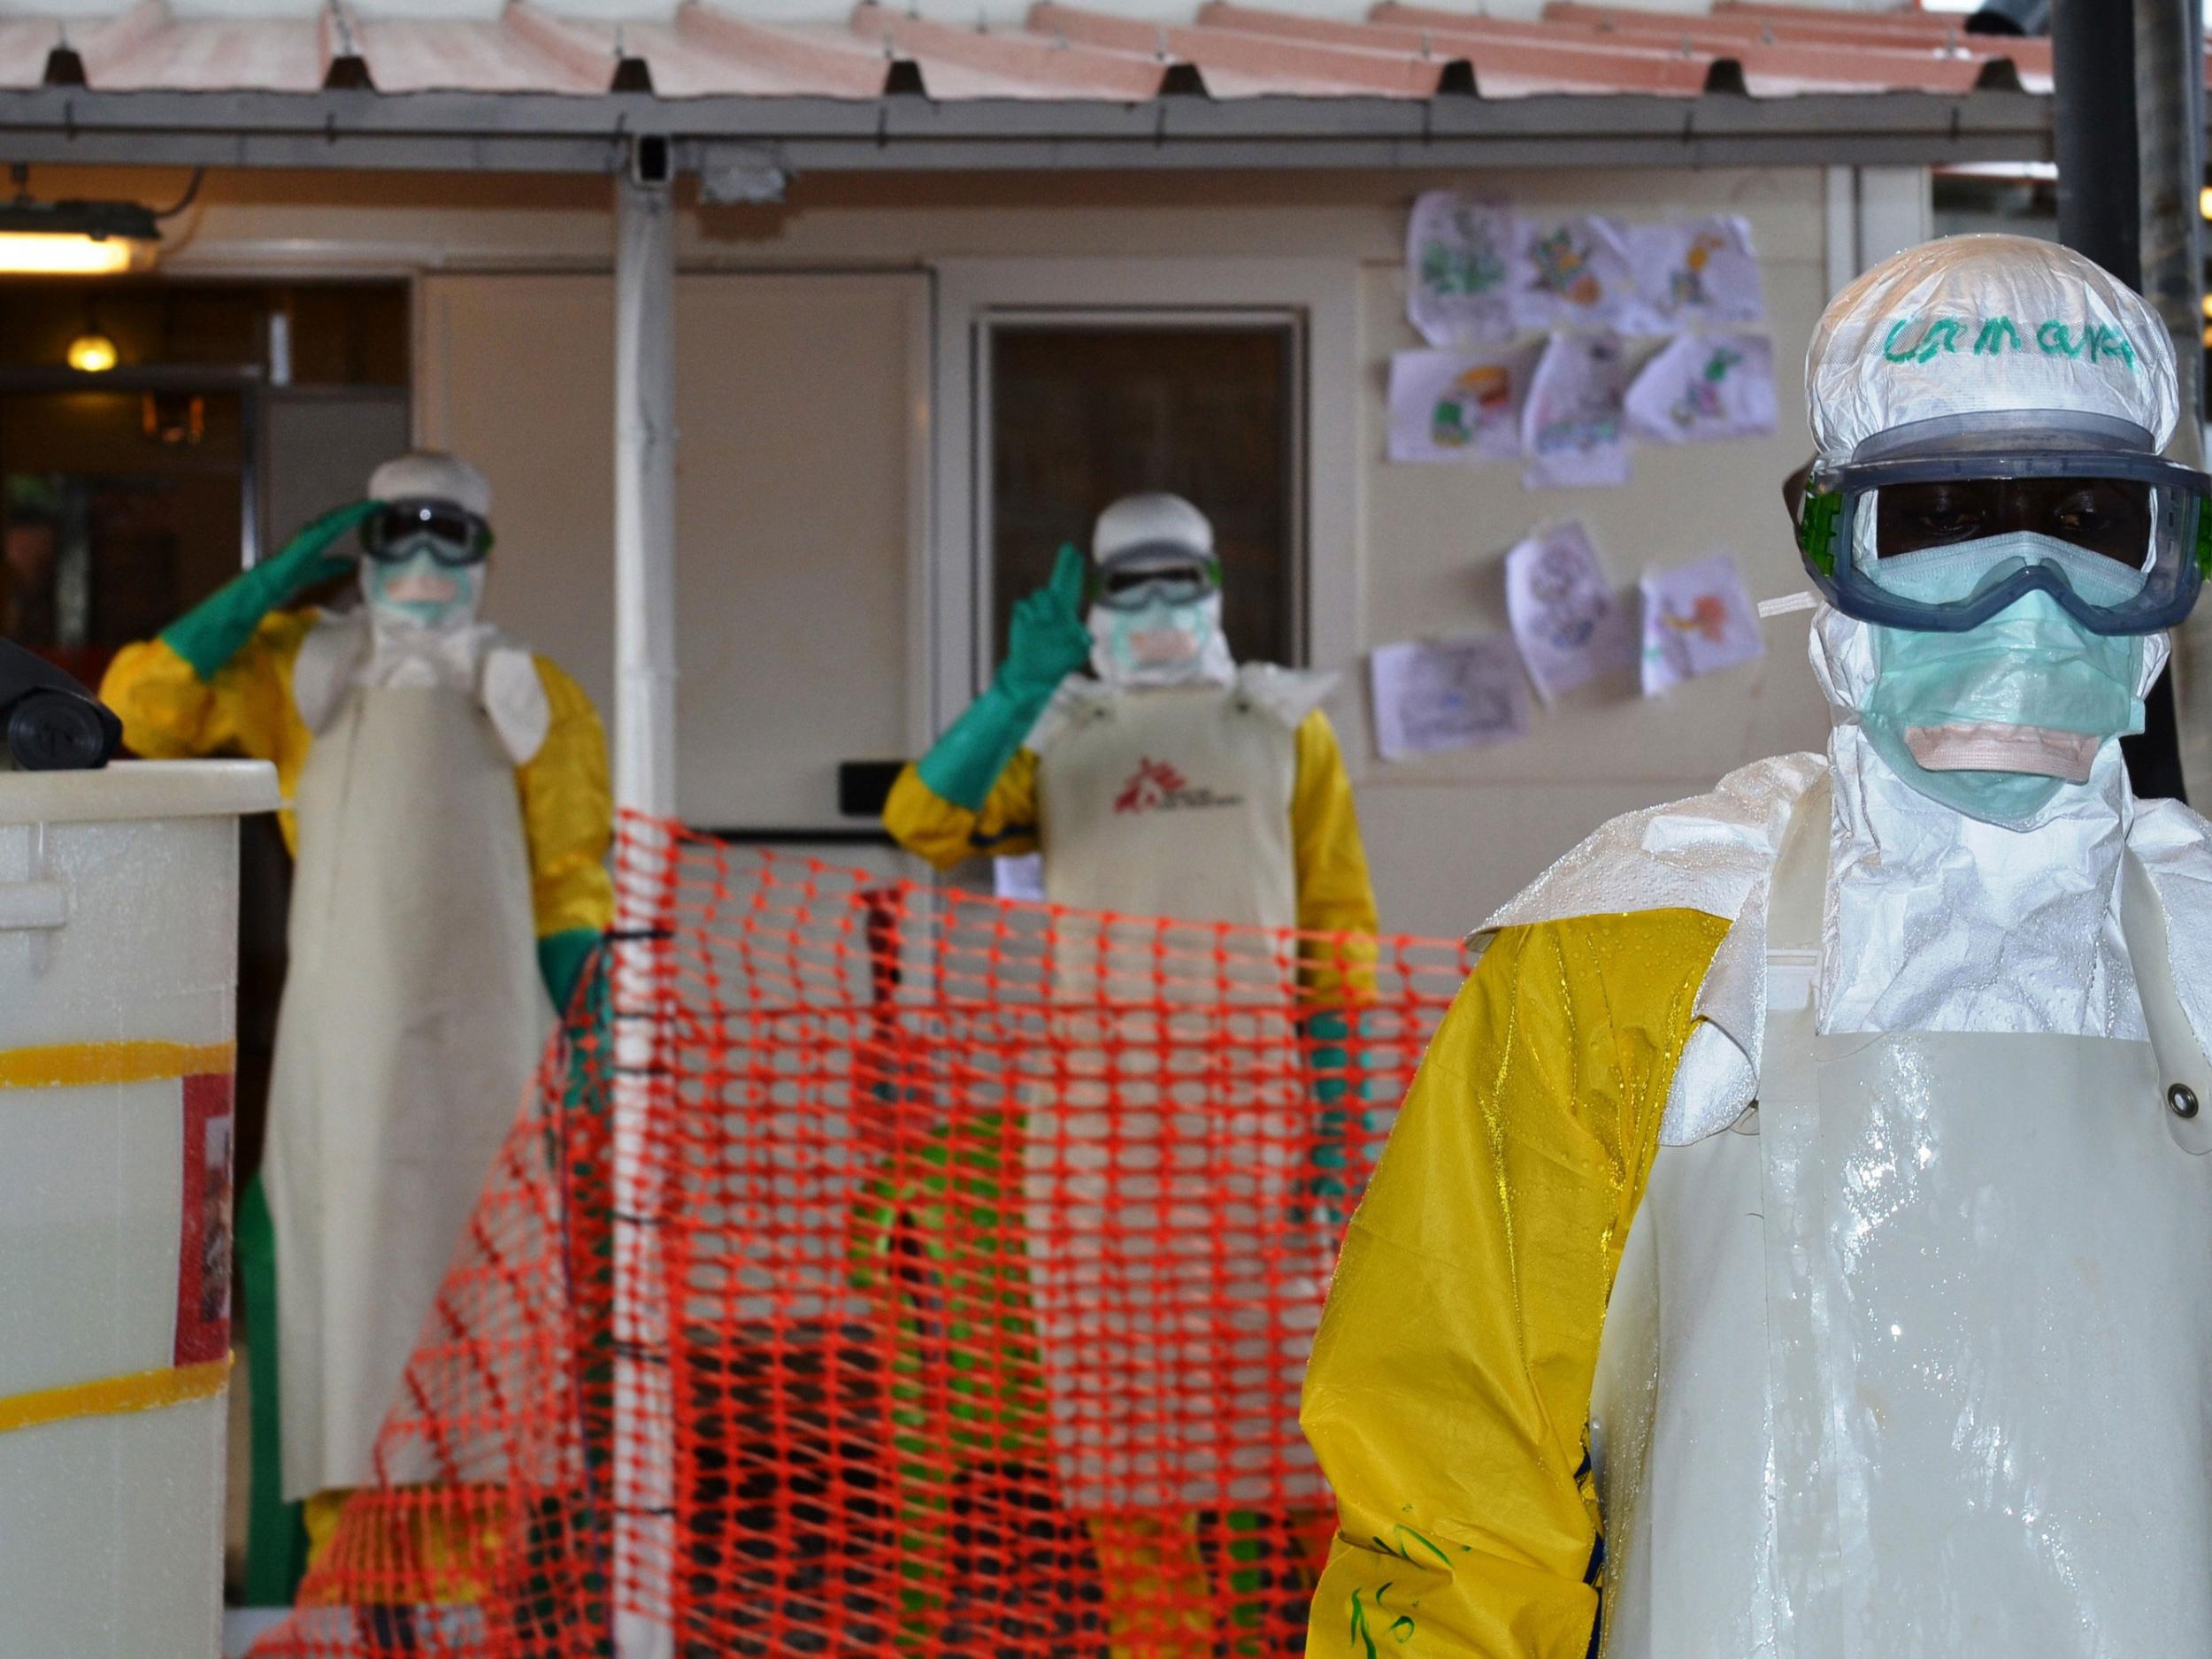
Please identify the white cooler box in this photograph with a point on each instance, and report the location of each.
(118, 901)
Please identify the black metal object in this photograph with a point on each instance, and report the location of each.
(2093, 133)
(2011, 17)
(100, 221)
(54, 724)
(863, 785)
(2100, 209)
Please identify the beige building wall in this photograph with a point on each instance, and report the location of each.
(797, 637)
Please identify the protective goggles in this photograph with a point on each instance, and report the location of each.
(456, 538)
(1166, 574)
(1938, 525)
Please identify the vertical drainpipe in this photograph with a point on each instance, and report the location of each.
(2170, 122)
(2094, 132)
(645, 787)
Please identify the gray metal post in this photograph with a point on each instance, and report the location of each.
(645, 498)
(2100, 206)
(2170, 150)
(2170, 123)
(645, 786)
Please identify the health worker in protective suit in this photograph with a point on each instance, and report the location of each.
(1797, 1239)
(449, 815)
(1175, 782)
(1170, 782)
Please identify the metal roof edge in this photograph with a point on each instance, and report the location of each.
(567, 133)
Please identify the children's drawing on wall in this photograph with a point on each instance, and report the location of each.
(1436, 694)
(1570, 273)
(1569, 624)
(1704, 271)
(1697, 620)
(1573, 428)
(1702, 387)
(1456, 247)
(1458, 406)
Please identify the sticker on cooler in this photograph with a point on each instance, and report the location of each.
(204, 1249)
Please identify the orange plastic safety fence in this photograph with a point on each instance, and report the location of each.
(888, 1271)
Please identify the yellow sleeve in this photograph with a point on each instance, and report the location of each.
(1450, 1389)
(568, 813)
(923, 821)
(1334, 893)
(170, 713)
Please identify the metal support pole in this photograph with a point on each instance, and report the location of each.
(2095, 134)
(645, 787)
(2170, 122)
(645, 498)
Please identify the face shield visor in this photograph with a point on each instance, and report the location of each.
(1938, 526)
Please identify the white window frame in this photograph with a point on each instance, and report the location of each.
(1318, 296)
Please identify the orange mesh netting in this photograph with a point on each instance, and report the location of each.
(885, 1271)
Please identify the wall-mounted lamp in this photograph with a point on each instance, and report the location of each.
(92, 352)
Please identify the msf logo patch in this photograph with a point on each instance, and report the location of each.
(1156, 786)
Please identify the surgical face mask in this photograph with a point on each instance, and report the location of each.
(1992, 721)
(414, 585)
(1165, 640)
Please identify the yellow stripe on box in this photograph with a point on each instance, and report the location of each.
(111, 1396)
(76, 1064)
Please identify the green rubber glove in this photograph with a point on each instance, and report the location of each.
(1047, 643)
(561, 959)
(276, 1537)
(217, 629)
(1343, 1093)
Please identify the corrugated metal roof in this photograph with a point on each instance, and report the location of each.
(1228, 50)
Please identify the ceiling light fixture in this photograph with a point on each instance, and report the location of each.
(78, 238)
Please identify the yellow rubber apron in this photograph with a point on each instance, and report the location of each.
(1176, 1279)
(410, 1025)
(1917, 1366)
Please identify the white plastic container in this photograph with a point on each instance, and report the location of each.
(118, 901)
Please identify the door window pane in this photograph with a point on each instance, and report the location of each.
(1081, 414)
(119, 509)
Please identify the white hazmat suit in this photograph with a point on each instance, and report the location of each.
(1828, 1144)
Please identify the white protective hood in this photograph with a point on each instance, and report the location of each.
(1975, 324)
(1937, 921)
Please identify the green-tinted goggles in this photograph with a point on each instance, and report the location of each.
(1938, 526)
(1134, 581)
(457, 537)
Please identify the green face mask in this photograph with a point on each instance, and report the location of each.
(2030, 665)
(423, 590)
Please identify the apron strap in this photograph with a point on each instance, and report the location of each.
(1796, 900)
(1797, 892)
(1807, 1571)
(2185, 1075)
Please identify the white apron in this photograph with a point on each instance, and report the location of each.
(1176, 1282)
(1915, 1362)
(1171, 802)
(412, 1021)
